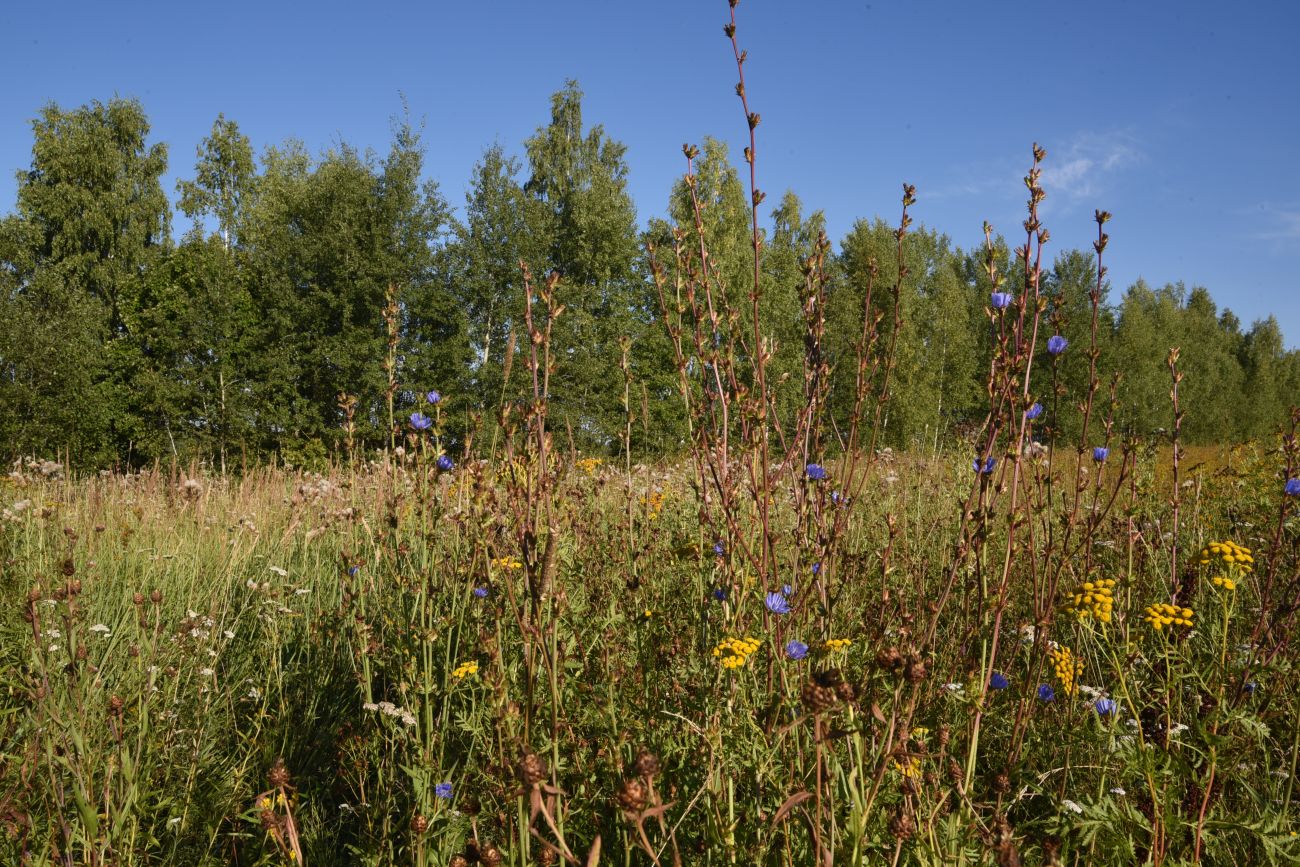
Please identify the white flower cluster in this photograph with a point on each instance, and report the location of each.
(387, 708)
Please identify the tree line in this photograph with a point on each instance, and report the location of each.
(318, 297)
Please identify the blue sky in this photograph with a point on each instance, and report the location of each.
(1181, 117)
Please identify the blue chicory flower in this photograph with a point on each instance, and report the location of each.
(796, 649)
(777, 603)
(1250, 687)
(420, 421)
(353, 570)
(1100, 453)
(988, 466)
(443, 790)
(1034, 411)
(1045, 692)
(1056, 344)
(433, 397)
(1001, 300)
(720, 594)
(786, 589)
(1105, 707)
(817, 568)
(445, 463)
(1292, 488)
(719, 549)
(481, 592)
(816, 472)
(998, 681)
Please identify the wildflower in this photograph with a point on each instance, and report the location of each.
(1292, 488)
(816, 472)
(420, 421)
(510, 564)
(1163, 614)
(998, 681)
(836, 497)
(1056, 344)
(100, 627)
(647, 615)
(481, 592)
(1034, 411)
(1234, 557)
(353, 570)
(720, 594)
(1045, 692)
(433, 397)
(1001, 300)
(734, 652)
(833, 645)
(1104, 707)
(989, 463)
(777, 603)
(442, 790)
(1094, 599)
(1067, 666)
(464, 670)
(445, 463)
(1100, 453)
(1223, 582)
(796, 649)
(719, 549)
(817, 568)
(910, 768)
(205, 672)
(787, 589)
(1250, 687)
(1072, 806)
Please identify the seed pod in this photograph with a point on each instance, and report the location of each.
(532, 769)
(647, 764)
(279, 775)
(632, 795)
(419, 824)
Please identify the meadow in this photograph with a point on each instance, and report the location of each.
(1050, 634)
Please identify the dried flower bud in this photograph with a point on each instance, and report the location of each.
(647, 763)
(532, 769)
(156, 597)
(279, 775)
(632, 796)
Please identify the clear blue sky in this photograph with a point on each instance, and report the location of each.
(1181, 117)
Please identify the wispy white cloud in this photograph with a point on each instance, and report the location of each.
(1277, 223)
(1084, 166)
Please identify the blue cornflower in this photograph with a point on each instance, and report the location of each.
(481, 592)
(796, 649)
(720, 594)
(353, 570)
(1001, 300)
(988, 465)
(998, 681)
(445, 463)
(719, 548)
(816, 472)
(1056, 344)
(433, 397)
(817, 568)
(1292, 488)
(420, 421)
(1045, 692)
(1105, 706)
(443, 790)
(1034, 411)
(1100, 453)
(777, 603)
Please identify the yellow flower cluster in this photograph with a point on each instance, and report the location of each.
(654, 504)
(508, 563)
(909, 767)
(1164, 614)
(464, 670)
(1224, 582)
(1068, 667)
(836, 644)
(1230, 553)
(1094, 599)
(733, 652)
(588, 465)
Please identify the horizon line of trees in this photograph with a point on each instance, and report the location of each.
(266, 329)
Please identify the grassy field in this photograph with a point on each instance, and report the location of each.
(506, 663)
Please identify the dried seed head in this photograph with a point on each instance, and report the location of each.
(469, 805)
(490, 856)
(419, 824)
(547, 858)
(632, 795)
(532, 769)
(115, 705)
(901, 826)
(67, 567)
(458, 860)
(156, 597)
(1002, 783)
(137, 599)
(35, 594)
(647, 764)
(279, 775)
